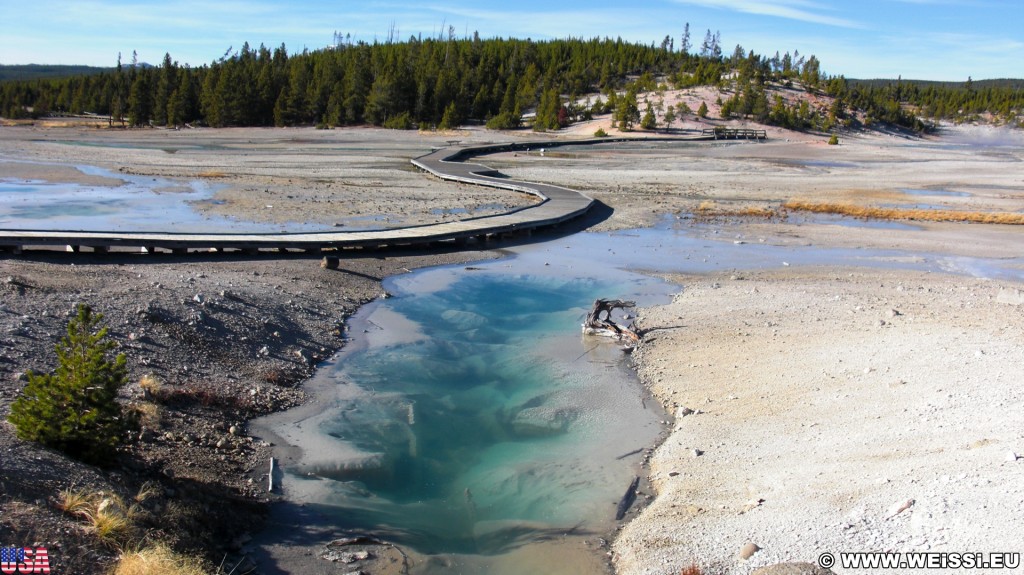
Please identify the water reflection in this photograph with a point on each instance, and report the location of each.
(138, 204)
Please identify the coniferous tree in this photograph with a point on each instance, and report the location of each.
(649, 121)
(140, 104)
(165, 83)
(450, 120)
(670, 117)
(705, 47)
(75, 408)
(627, 112)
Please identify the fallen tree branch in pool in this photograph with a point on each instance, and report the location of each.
(599, 321)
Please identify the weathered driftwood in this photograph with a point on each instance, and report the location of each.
(599, 320)
(627, 500)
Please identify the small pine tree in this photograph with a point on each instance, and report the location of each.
(450, 120)
(670, 116)
(702, 111)
(649, 121)
(75, 408)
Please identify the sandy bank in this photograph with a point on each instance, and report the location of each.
(827, 399)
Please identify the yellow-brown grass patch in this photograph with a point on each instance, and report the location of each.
(709, 209)
(871, 212)
(212, 174)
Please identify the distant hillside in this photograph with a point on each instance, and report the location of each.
(42, 71)
(504, 83)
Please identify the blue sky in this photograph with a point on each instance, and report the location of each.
(922, 39)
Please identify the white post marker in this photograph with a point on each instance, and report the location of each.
(270, 476)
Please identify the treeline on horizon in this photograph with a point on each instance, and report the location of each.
(443, 82)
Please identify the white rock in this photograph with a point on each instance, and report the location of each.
(1010, 296)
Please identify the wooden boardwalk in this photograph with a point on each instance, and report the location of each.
(723, 133)
(557, 205)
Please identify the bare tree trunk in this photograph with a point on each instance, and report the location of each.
(599, 320)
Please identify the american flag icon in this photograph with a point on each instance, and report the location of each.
(24, 560)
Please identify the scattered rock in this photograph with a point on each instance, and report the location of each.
(748, 550)
(752, 504)
(1010, 296)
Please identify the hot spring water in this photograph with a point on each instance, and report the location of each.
(471, 417)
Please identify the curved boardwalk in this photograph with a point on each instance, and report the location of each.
(557, 205)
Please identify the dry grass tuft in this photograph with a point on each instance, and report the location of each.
(111, 523)
(149, 414)
(149, 489)
(78, 502)
(108, 517)
(158, 559)
(869, 212)
(150, 386)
